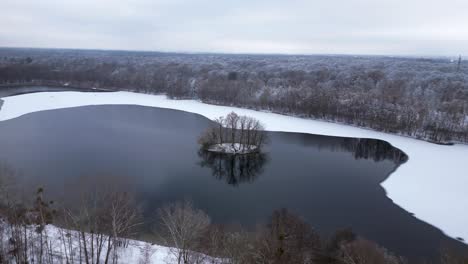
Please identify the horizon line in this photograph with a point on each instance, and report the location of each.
(414, 56)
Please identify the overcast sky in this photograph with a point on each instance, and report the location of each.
(388, 27)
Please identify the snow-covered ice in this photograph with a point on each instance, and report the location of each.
(431, 185)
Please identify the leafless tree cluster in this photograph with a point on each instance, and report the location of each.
(286, 238)
(242, 134)
(424, 98)
(190, 232)
(95, 231)
(183, 227)
(103, 222)
(23, 234)
(452, 256)
(98, 229)
(96, 238)
(362, 251)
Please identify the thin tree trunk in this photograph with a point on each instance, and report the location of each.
(109, 247)
(85, 247)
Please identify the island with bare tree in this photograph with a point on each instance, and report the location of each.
(234, 134)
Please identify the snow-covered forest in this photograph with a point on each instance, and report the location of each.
(419, 97)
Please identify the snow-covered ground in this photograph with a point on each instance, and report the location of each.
(65, 244)
(235, 148)
(432, 184)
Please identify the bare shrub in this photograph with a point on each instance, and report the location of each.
(183, 227)
(286, 239)
(146, 252)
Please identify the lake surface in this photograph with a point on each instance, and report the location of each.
(17, 90)
(332, 182)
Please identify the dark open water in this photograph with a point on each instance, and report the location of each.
(332, 182)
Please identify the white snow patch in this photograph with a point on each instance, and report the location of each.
(432, 184)
(230, 148)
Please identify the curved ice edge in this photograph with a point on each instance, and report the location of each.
(430, 185)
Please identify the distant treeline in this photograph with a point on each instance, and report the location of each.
(424, 98)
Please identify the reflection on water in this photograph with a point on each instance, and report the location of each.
(377, 150)
(238, 169)
(234, 169)
(361, 148)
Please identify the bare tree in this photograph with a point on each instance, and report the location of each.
(362, 251)
(183, 226)
(104, 221)
(286, 239)
(453, 256)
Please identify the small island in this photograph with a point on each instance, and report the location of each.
(234, 134)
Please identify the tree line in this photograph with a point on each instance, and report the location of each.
(425, 98)
(99, 233)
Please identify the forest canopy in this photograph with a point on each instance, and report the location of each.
(424, 98)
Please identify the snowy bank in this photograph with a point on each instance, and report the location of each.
(431, 185)
(64, 246)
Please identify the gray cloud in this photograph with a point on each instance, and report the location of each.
(400, 27)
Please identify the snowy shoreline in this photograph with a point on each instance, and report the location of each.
(431, 185)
